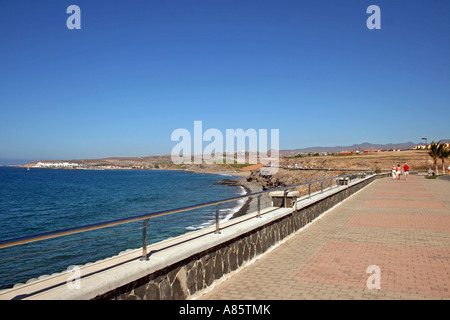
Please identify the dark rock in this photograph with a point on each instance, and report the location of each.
(179, 290)
(165, 290)
(191, 279)
(152, 292)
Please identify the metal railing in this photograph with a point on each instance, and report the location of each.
(145, 218)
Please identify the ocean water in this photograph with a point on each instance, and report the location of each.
(43, 200)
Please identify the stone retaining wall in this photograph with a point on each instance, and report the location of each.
(199, 271)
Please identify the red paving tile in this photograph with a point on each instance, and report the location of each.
(406, 189)
(400, 221)
(402, 195)
(403, 185)
(417, 270)
(404, 204)
(403, 182)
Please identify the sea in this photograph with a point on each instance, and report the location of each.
(44, 200)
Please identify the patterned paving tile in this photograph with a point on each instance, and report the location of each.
(403, 195)
(400, 221)
(416, 270)
(404, 204)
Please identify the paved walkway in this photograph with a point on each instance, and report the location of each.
(393, 237)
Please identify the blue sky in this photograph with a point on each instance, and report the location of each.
(138, 70)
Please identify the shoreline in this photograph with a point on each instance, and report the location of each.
(249, 187)
(251, 203)
(245, 207)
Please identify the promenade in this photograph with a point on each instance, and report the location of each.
(392, 236)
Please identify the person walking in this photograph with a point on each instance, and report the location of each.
(399, 171)
(394, 172)
(406, 171)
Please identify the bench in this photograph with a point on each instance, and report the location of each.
(342, 181)
(279, 196)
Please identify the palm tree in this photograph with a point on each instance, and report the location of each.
(444, 153)
(434, 150)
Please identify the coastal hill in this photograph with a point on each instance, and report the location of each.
(312, 166)
(165, 161)
(361, 147)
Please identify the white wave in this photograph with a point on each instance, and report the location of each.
(225, 213)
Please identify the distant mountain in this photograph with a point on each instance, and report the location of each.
(362, 146)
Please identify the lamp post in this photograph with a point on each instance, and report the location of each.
(426, 154)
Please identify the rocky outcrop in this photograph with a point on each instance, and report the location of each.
(284, 177)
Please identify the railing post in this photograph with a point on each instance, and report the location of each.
(309, 191)
(321, 187)
(259, 206)
(217, 219)
(144, 240)
(285, 198)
